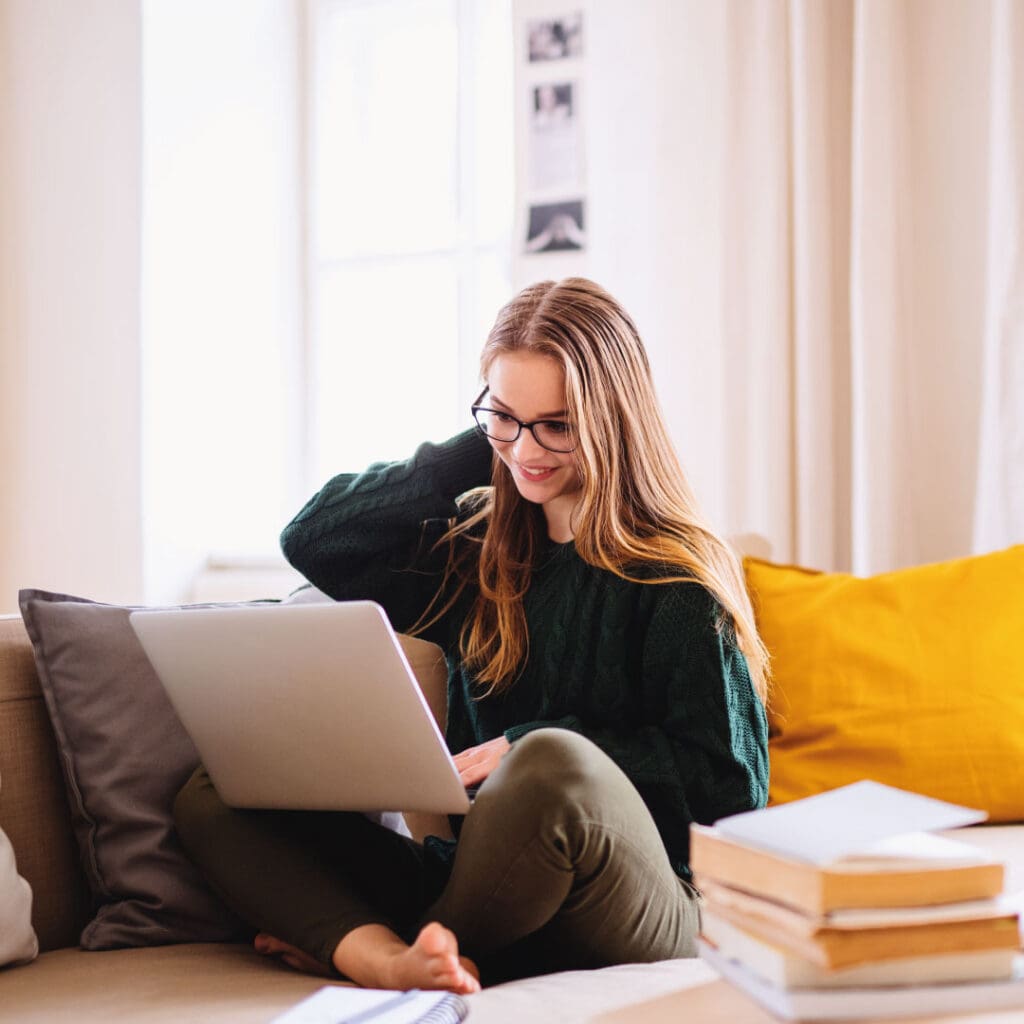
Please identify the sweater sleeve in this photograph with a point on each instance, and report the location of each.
(369, 535)
(701, 751)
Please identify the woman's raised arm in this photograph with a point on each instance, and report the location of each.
(369, 535)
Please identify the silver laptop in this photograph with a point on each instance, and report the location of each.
(307, 706)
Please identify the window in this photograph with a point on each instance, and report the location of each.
(409, 220)
(328, 197)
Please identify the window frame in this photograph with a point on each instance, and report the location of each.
(465, 253)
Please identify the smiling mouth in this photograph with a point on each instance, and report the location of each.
(535, 474)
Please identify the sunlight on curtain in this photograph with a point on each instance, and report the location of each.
(999, 515)
(889, 289)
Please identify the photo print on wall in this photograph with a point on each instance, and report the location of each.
(555, 38)
(555, 227)
(554, 143)
(550, 120)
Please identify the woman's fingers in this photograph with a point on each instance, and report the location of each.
(476, 763)
(473, 769)
(472, 776)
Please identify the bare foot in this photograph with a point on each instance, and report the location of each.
(374, 956)
(269, 945)
(433, 961)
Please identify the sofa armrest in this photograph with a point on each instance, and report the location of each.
(33, 807)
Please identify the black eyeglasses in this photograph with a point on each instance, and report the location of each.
(554, 435)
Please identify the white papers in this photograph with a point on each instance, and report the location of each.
(856, 918)
(844, 821)
(923, 846)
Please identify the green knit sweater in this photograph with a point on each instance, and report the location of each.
(644, 670)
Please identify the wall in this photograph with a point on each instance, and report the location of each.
(144, 421)
(653, 106)
(70, 102)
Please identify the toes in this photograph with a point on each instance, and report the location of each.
(466, 984)
(469, 967)
(437, 950)
(269, 945)
(453, 975)
(469, 984)
(304, 963)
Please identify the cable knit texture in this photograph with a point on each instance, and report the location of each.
(644, 670)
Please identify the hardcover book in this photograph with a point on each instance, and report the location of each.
(903, 871)
(890, 1002)
(778, 966)
(837, 942)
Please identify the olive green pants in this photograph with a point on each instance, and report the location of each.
(559, 866)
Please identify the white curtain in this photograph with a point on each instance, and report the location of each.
(999, 506)
(815, 211)
(874, 276)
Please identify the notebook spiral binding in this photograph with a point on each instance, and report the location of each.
(449, 1010)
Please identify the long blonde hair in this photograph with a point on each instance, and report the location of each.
(636, 508)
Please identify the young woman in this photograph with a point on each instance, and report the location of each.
(605, 689)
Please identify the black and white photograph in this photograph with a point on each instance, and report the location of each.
(556, 227)
(555, 38)
(554, 157)
(552, 104)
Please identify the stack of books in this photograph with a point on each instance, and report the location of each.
(910, 923)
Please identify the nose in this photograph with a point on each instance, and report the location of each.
(525, 447)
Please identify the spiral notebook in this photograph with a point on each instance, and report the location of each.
(336, 1004)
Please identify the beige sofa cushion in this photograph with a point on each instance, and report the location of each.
(229, 984)
(209, 982)
(33, 808)
(18, 941)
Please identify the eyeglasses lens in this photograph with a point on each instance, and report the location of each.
(551, 434)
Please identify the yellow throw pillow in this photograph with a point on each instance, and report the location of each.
(914, 678)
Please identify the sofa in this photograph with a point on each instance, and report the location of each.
(227, 981)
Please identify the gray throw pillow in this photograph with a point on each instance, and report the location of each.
(125, 755)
